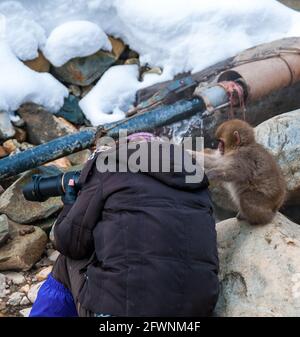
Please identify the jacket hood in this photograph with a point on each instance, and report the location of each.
(160, 160)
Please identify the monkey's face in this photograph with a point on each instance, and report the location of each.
(234, 134)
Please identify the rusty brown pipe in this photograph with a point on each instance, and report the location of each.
(264, 76)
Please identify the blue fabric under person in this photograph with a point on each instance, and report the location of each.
(53, 300)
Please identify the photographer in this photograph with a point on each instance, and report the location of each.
(133, 244)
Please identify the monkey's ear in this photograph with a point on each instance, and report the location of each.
(237, 137)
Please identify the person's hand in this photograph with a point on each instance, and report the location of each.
(70, 195)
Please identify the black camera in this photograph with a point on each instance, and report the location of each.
(43, 187)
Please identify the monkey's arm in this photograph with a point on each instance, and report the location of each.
(227, 171)
(211, 158)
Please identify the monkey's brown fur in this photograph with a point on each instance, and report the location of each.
(249, 171)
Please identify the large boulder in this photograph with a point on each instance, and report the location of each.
(42, 126)
(280, 135)
(259, 268)
(25, 248)
(18, 209)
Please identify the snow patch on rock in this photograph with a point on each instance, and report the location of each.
(75, 39)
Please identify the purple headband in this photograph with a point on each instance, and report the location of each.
(144, 135)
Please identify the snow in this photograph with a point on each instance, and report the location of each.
(75, 39)
(19, 84)
(176, 35)
(123, 83)
(24, 35)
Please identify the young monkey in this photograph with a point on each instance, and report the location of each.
(249, 172)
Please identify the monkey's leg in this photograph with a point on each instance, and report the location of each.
(255, 208)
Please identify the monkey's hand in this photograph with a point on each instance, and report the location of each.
(211, 158)
(215, 174)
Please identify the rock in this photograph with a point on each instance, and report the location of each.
(16, 278)
(11, 145)
(43, 126)
(6, 128)
(18, 122)
(46, 224)
(18, 209)
(43, 274)
(22, 252)
(259, 268)
(86, 90)
(291, 3)
(2, 286)
(280, 135)
(24, 301)
(4, 230)
(133, 54)
(15, 299)
(3, 153)
(25, 288)
(132, 61)
(84, 70)
(71, 111)
(155, 70)
(44, 262)
(80, 157)
(25, 312)
(33, 291)
(118, 47)
(2, 307)
(52, 255)
(75, 90)
(20, 135)
(61, 163)
(39, 64)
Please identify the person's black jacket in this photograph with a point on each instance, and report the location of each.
(152, 243)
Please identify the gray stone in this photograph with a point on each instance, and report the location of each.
(52, 255)
(4, 229)
(6, 128)
(18, 209)
(23, 251)
(280, 135)
(259, 268)
(2, 285)
(24, 301)
(33, 291)
(16, 278)
(15, 299)
(80, 157)
(25, 312)
(43, 126)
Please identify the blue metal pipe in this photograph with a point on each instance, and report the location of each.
(63, 146)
